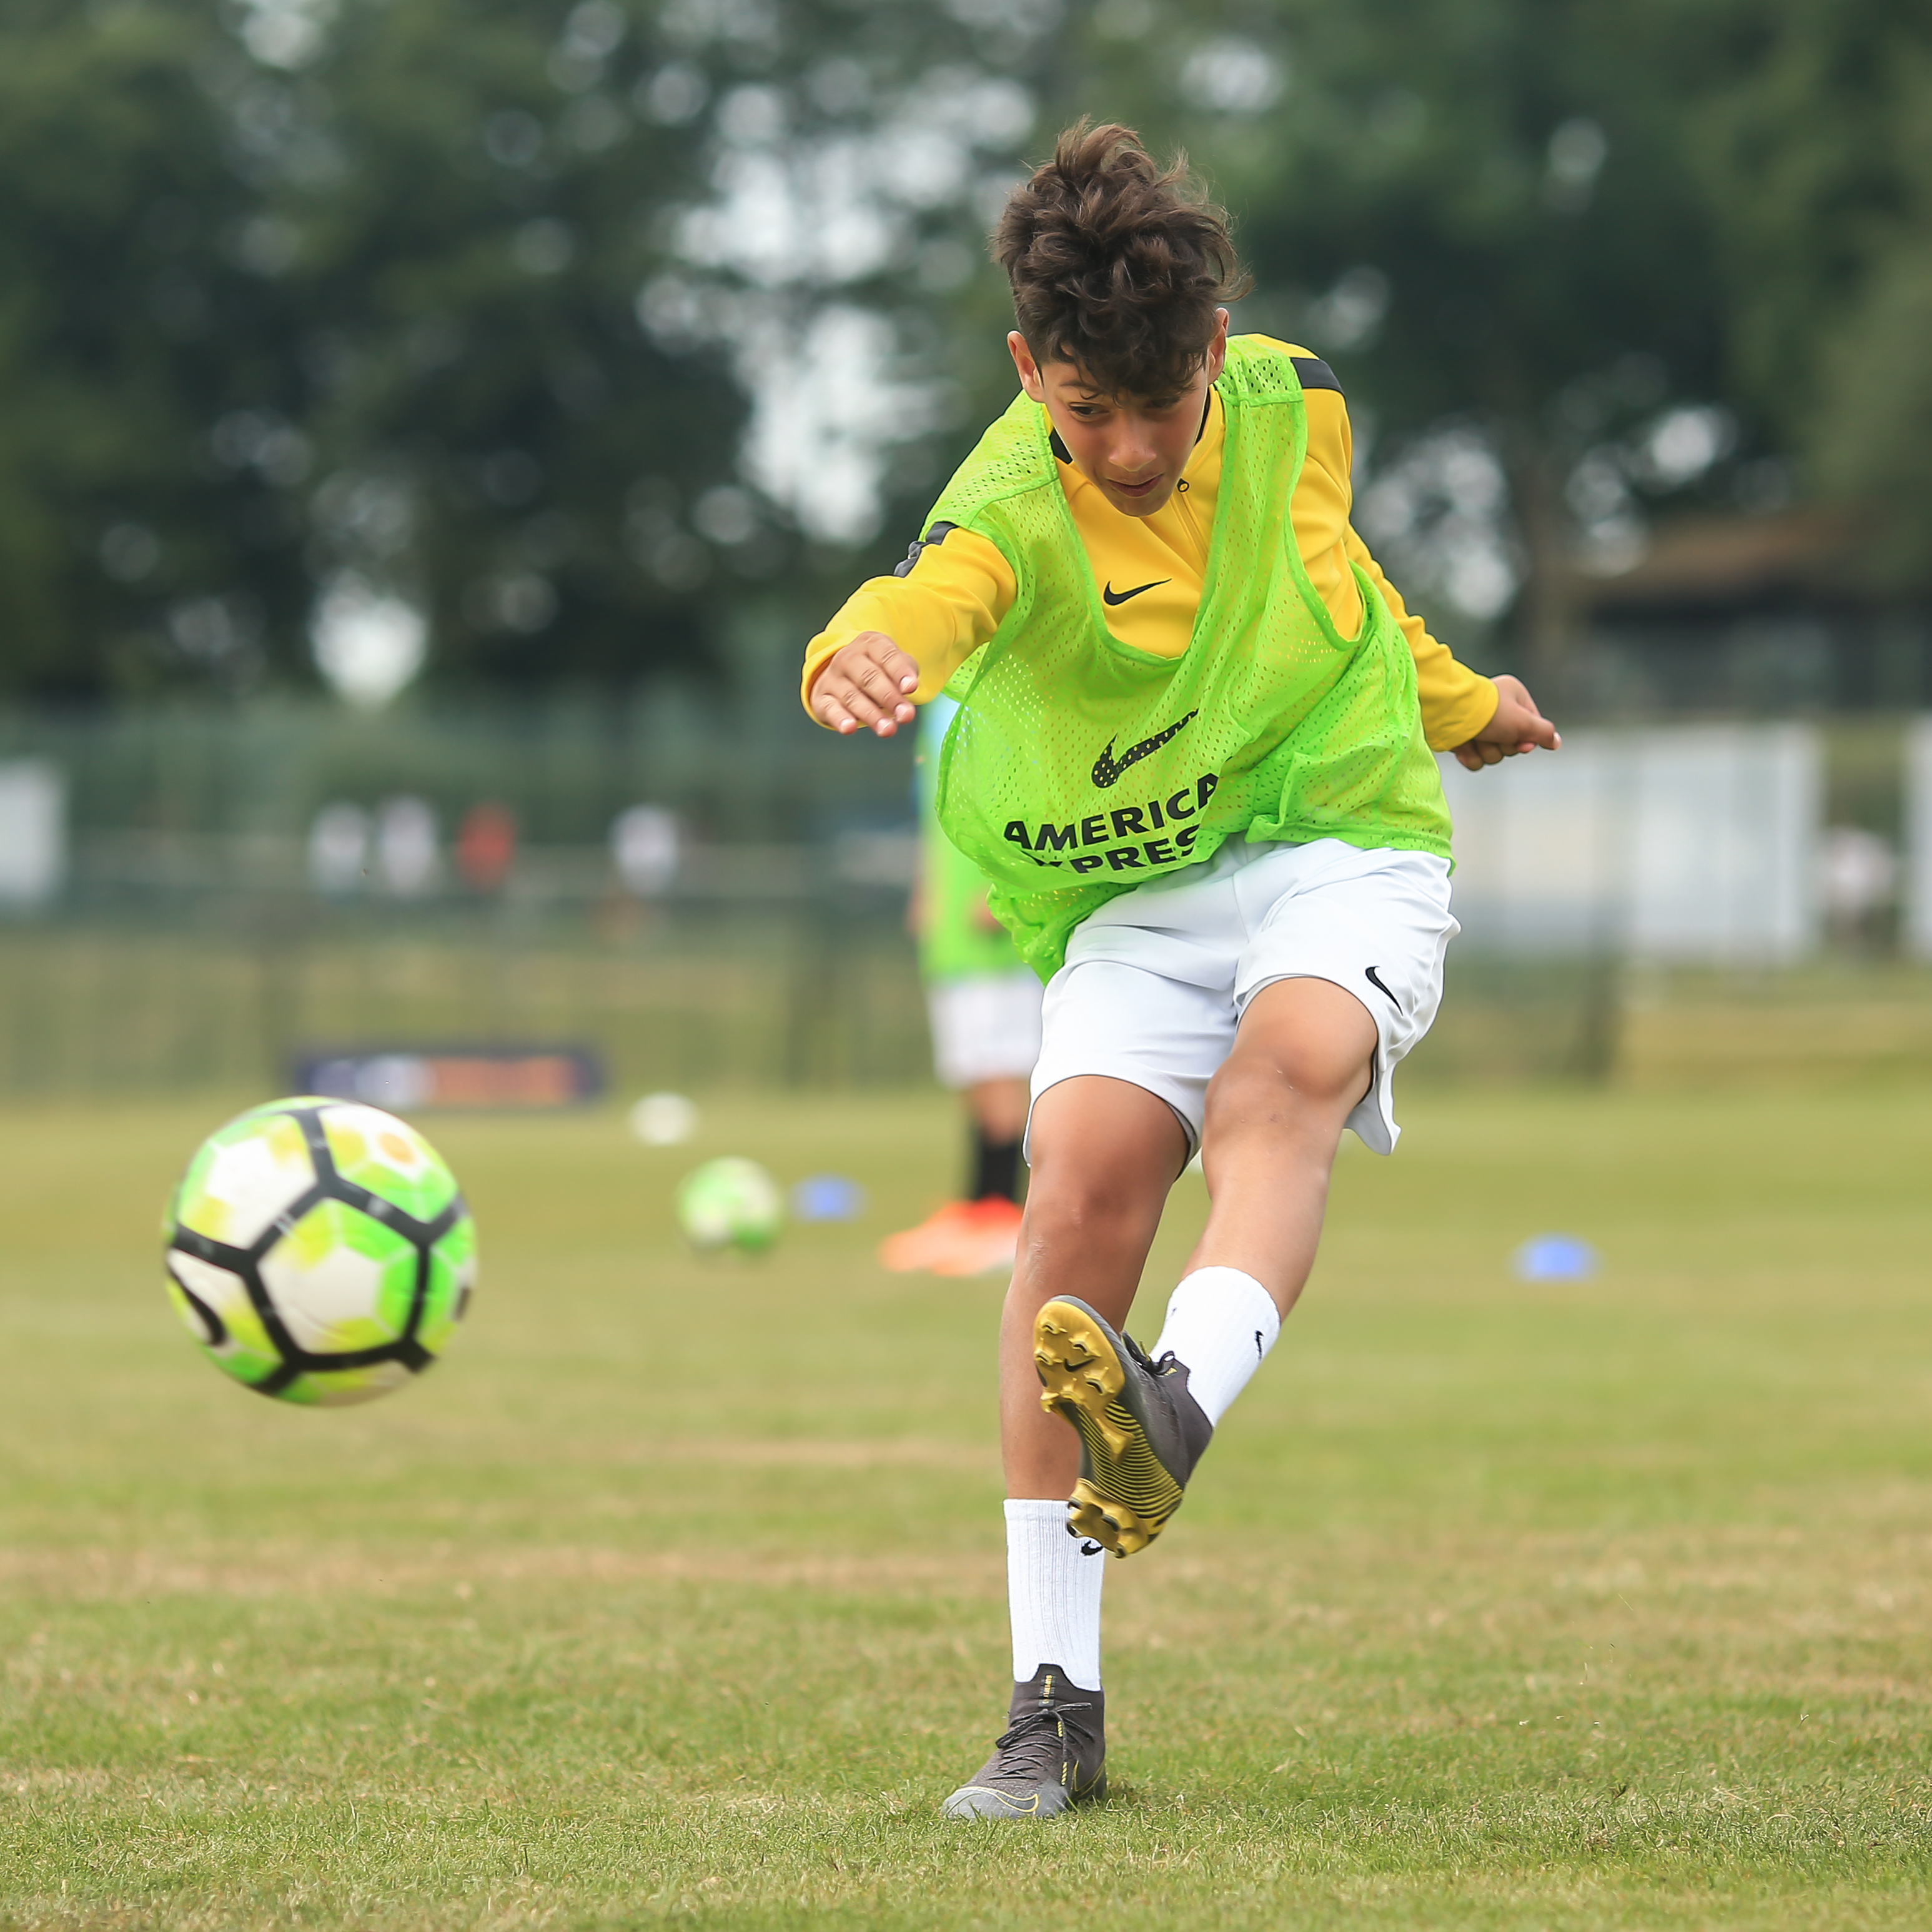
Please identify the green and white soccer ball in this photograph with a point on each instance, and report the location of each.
(729, 1203)
(319, 1251)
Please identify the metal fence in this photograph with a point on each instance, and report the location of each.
(163, 927)
(700, 889)
(228, 986)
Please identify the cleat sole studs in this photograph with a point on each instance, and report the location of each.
(1124, 1496)
(1119, 1531)
(1079, 1377)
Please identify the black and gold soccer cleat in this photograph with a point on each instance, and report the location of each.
(1052, 1755)
(1141, 1432)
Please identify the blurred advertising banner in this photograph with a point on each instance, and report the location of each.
(1697, 843)
(518, 1079)
(33, 831)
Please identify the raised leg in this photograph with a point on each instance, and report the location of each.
(1301, 1062)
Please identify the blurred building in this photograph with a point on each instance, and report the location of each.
(1757, 615)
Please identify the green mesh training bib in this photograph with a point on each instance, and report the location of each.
(1079, 767)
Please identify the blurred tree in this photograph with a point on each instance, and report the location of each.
(857, 150)
(312, 311)
(147, 537)
(1480, 213)
(1816, 145)
(471, 194)
(1487, 214)
(1870, 432)
(581, 338)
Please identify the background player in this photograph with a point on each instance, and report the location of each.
(982, 1001)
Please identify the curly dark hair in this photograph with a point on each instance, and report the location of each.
(1116, 265)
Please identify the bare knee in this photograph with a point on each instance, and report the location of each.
(1286, 1082)
(1305, 1046)
(1080, 1202)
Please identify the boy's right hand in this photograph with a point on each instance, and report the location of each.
(865, 685)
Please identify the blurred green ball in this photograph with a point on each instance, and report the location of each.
(729, 1203)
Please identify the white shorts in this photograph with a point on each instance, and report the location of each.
(1155, 982)
(986, 1027)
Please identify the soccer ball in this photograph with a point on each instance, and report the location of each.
(729, 1203)
(319, 1252)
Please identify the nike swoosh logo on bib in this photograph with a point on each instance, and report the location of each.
(1107, 768)
(1110, 596)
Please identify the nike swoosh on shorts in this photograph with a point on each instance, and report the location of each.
(1375, 979)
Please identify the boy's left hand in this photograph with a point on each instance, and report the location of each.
(1516, 726)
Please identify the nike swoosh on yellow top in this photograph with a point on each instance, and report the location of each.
(1110, 596)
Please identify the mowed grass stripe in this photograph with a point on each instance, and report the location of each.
(674, 1594)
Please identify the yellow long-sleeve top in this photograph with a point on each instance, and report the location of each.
(955, 590)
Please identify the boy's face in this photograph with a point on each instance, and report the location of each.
(1132, 448)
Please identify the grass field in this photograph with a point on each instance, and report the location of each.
(675, 1594)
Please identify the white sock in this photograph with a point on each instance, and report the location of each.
(1053, 1593)
(1221, 1323)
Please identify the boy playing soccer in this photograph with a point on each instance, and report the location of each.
(1193, 757)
